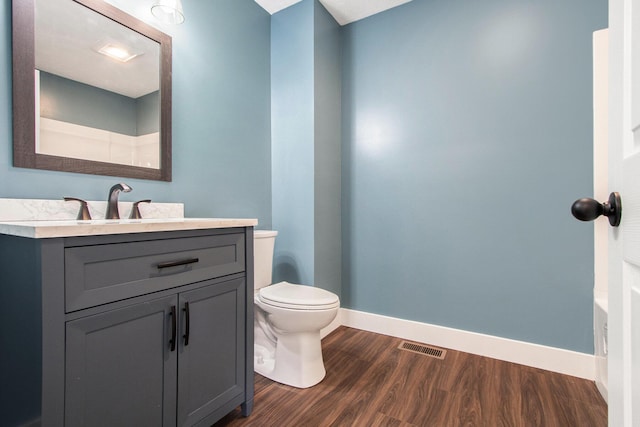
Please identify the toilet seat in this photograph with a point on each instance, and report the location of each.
(298, 297)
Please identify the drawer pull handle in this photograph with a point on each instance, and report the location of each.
(186, 324)
(172, 341)
(177, 263)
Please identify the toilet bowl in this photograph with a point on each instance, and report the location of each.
(288, 319)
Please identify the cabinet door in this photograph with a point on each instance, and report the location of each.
(211, 363)
(120, 370)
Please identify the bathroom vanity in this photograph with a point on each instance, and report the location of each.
(150, 324)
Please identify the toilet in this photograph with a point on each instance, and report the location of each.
(288, 319)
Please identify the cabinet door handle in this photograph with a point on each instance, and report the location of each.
(172, 341)
(177, 263)
(186, 324)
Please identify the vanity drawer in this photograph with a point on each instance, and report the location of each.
(100, 274)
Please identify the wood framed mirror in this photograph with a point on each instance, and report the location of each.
(77, 107)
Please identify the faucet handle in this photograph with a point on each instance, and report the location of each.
(135, 211)
(83, 213)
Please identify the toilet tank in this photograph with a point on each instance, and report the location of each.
(263, 242)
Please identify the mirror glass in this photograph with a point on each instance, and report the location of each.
(100, 91)
(97, 86)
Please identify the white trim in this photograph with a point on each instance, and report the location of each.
(604, 390)
(601, 192)
(553, 359)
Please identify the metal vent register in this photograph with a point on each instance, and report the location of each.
(437, 353)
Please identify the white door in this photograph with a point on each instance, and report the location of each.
(624, 242)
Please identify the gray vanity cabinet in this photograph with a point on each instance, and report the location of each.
(144, 329)
(124, 366)
(209, 372)
(119, 372)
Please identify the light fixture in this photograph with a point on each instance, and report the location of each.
(169, 11)
(116, 52)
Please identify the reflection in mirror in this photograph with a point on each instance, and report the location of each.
(99, 87)
(101, 90)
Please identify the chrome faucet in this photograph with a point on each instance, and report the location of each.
(112, 202)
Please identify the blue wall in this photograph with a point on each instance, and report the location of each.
(467, 135)
(148, 113)
(327, 150)
(221, 119)
(306, 145)
(74, 102)
(292, 145)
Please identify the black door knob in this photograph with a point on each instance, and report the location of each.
(589, 209)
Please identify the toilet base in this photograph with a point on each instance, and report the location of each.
(298, 360)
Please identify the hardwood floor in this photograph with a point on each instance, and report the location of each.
(370, 382)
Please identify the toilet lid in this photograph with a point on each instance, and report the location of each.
(285, 294)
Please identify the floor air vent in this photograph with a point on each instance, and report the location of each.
(438, 353)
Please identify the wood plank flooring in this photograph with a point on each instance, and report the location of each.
(370, 382)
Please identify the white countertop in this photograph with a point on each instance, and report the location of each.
(72, 228)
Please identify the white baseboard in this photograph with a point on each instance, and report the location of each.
(604, 391)
(553, 359)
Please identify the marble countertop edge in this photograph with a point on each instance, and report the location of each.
(75, 228)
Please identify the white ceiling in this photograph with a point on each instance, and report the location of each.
(70, 51)
(343, 11)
